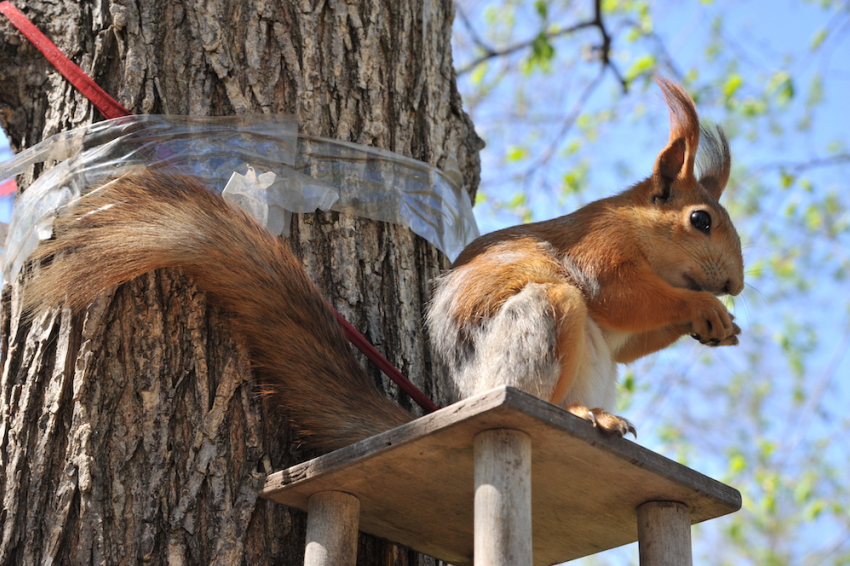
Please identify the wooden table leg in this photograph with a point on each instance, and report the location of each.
(503, 498)
(664, 534)
(333, 520)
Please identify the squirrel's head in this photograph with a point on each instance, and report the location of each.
(689, 239)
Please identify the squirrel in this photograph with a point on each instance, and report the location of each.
(550, 307)
(553, 307)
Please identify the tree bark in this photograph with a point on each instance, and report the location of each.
(132, 433)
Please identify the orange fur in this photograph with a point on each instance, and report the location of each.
(570, 314)
(149, 220)
(614, 281)
(636, 263)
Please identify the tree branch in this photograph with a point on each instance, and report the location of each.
(797, 168)
(567, 124)
(602, 51)
(490, 53)
(476, 39)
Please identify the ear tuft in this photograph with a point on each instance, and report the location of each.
(684, 132)
(714, 161)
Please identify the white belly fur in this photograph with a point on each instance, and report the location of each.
(517, 347)
(596, 382)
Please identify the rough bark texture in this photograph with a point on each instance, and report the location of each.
(132, 434)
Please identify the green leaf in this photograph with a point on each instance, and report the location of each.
(575, 179)
(804, 489)
(767, 448)
(629, 382)
(542, 54)
(815, 95)
(541, 48)
(818, 39)
(814, 218)
(737, 464)
(781, 85)
(477, 76)
(732, 85)
(516, 153)
(572, 148)
(753, 107)
(836, 146)
(633, 35)
(542, 9)
(518, 200)
(644, 65)
(814, 509)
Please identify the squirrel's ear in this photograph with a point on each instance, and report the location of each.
(676, 161)
(715, 161)
(669, 162)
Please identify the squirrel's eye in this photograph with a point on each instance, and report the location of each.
(701, 220)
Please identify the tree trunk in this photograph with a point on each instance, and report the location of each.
(133, 433)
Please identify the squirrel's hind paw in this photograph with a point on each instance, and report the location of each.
(606, 422)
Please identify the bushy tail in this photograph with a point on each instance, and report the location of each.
(149, 220)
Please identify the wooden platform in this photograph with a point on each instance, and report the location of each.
(415, 483)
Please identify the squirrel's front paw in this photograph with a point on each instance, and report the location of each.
(604, 421)
(731, 340)
(714, 325)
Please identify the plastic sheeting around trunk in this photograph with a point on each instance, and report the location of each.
(259, 162)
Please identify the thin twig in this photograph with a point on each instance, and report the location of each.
(794, 169)
(801, 427)
(511, 49)
(661, 49)
(797, 168)
(603, 49)
(476, 39)
(567, 124)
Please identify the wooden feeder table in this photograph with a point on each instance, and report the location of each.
(507, 478)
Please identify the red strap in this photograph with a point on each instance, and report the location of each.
(8, 187)
(384, 365)
(107, 105)
(110, 108)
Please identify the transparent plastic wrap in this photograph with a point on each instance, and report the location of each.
(258, 162)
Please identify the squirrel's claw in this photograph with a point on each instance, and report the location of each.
(604, 421)
(731, 340)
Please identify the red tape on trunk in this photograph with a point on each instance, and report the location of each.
(110, 108)
(107, 105)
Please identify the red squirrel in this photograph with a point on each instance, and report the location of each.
(550, 307)
(553, 307)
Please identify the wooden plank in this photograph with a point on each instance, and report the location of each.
(332, 528)
(503, 498)
(415, 483)
(664, 534)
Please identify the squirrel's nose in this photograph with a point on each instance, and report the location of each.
(732, 287)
